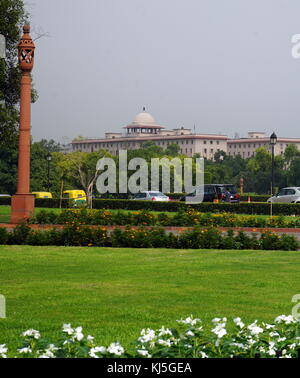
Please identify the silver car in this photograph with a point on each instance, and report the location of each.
(151, 196)
(287, 195)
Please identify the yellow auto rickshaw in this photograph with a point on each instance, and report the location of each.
(42, 195)
(76, 197)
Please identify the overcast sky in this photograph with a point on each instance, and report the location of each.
(223, 65)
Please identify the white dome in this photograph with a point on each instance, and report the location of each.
(144, 119)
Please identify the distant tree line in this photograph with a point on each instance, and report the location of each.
(77, 170)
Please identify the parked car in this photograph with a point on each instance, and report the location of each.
(221, 192)
(42, 194)
(286, 195)
(151, 196)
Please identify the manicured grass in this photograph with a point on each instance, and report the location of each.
(114, 293)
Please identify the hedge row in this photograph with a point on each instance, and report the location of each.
(205, 238)
(191, 217)
(173, 206)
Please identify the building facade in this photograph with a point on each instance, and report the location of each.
(144, 128)
(246, 147)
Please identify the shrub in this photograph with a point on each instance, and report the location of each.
(19, 234)
(3, 236)
(75, 234)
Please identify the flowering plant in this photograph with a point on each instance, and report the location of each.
(190, 339)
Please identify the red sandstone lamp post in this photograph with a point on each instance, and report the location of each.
(23, 202)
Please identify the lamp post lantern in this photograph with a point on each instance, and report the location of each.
(49, 158)
(273, 141)
(23, 202)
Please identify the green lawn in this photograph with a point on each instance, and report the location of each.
(114, 293)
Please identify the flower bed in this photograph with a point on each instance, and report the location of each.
(76, 234)
(189, 339)
(190, 217)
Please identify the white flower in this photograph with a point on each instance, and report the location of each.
(166, 343)
(239, 322)
(285, 319)
(90, 338)
(95, 350)
(32, 333)
(220, 330)
(270, 326)
(147, 335)
(274, 334)
(164, 331)
(189, 320)
(47, 354)
(52, 348)
(281, 339)
(78, 333)
(203, 355)
(143, 352)
(68, 329)
(116, 349)
(3, 351)
(255, 329)
(190, 334)
(271, 351)
(25, 350)
(220, 325)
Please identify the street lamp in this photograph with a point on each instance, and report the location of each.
(273, 141)
(49, 158)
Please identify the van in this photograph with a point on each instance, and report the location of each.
(218, 192)
(78, 196)
(42, 194)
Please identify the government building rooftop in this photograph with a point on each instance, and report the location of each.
(144, 128)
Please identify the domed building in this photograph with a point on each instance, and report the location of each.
(143, 123)
(144, 128)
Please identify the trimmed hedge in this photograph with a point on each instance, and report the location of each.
(191, 217)
(173, 206)
(198, 238)
(5, 201)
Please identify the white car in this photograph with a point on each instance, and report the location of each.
(286, 195)
(151, 196)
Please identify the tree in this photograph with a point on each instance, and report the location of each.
(39, 166)
(12, 18)
(80, 167)
(172, 150)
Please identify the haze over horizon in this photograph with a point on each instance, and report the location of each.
(225, 67)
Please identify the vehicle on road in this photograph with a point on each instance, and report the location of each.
(150, 196)
(78, 197)
(220, 192)
(42, 194)
(286, 195)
